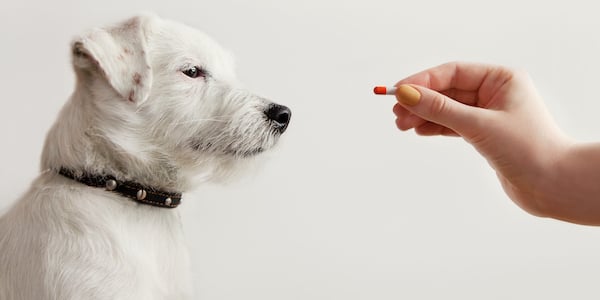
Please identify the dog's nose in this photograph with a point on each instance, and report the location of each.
(280, 115)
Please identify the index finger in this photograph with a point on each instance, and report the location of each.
(461, 76)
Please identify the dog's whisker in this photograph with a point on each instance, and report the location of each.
(218, 120)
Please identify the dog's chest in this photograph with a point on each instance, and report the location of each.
(152, 243)
(139, 248)
(150, 250)
(159, 259)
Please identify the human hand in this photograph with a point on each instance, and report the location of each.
(499, 112)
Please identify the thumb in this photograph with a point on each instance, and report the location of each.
(440, 109)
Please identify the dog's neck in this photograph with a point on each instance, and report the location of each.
(89, 139)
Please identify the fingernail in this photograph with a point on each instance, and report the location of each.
(408, 95)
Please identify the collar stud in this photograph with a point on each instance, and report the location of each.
(111, 185)
(141, 195)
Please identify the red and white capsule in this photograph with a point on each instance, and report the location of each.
(384, 90)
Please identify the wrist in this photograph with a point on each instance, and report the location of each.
(551, 184)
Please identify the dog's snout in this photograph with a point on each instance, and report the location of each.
(280, 115)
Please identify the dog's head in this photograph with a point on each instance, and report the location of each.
(163, 96)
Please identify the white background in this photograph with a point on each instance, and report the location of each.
(347, 207)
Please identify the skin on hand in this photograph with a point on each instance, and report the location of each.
(499, 112)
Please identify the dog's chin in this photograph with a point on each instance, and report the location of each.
(238, 153)
(226, 166)
(229, 152)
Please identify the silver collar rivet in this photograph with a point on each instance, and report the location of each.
(141, 195)
(111, 185)
(168, 201)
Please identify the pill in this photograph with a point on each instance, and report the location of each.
(384, 90)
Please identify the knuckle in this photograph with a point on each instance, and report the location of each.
(438, 105)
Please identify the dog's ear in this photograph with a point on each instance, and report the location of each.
(119, 54)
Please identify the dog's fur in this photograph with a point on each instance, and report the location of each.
(134, 114)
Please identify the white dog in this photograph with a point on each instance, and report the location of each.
(155, 108)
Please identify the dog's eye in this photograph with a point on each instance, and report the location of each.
(195, 72)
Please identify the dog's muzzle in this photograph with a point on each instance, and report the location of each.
(279, 116)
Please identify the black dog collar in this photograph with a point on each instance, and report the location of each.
(132, 190)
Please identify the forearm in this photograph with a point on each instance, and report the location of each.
(571, 187)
